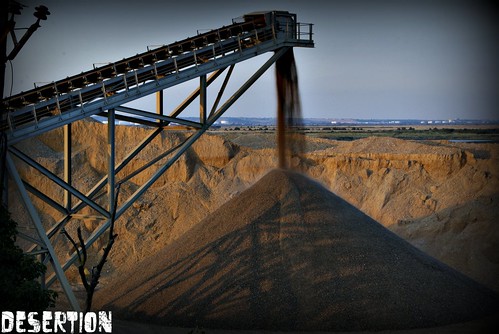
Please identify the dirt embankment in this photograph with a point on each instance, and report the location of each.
(441, 197)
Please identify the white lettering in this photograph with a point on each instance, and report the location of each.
(105, 322)
(47, 316)
(56, 322)
(81, 322)
(90, 322)
(20, 316)
(59, 321)
(72, 317)
(7, 321)
(34, 323)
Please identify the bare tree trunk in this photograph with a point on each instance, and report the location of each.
(81, 251)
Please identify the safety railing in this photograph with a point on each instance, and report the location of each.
(296, 31)
(102, 82)
(304, 31)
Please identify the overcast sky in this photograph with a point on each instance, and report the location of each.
(373, 59)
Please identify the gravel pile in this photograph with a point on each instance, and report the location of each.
(287, 254)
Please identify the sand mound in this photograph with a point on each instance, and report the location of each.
(287, 254)
(440, 196)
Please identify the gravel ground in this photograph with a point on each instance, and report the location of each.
(287, 254)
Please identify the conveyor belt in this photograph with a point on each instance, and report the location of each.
(104, 91)
(101, 83)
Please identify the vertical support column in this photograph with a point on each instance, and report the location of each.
(67, 165)
(202, 99)
(59, 273)
(159, 103)
(68, 149)
(111, 131)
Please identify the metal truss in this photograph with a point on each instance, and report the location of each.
(104, 91)
(66, 101)
(43, 246)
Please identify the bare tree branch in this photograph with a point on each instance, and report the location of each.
(63, 231)
(82, 258)
(82, 255)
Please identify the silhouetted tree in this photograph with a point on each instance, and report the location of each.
(19, 288)
(90, 279)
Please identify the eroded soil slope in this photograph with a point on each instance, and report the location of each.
(440, 196)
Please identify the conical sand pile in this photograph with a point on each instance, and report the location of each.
(287, 254)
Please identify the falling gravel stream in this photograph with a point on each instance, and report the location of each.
(289, 142)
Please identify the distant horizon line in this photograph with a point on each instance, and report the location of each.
(330, 121)
(373, 119)
(488, 120)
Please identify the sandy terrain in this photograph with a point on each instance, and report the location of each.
(296, 258)
(441, 197)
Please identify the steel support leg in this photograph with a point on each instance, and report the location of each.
(202, 99)
(67, 164)
(111, 152)
(222, 90)
(160, 103)
(59, 272)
